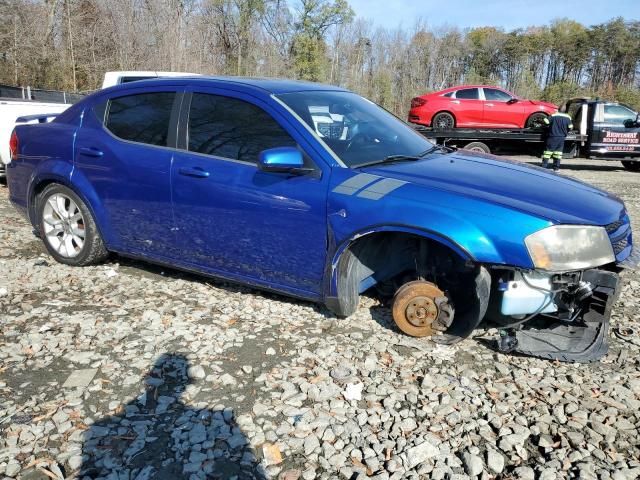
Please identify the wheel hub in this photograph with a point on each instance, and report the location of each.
(422, 311)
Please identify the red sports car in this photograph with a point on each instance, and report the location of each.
(478, 106)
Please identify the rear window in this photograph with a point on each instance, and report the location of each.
(133, 79)
(142, 118)
(468, 94)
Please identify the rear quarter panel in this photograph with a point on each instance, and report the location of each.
(45, 153)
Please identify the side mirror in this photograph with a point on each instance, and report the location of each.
(511, 101)
(282, 160)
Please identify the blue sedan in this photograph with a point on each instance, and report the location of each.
(315, 192)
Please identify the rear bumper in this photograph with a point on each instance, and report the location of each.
(416, 115)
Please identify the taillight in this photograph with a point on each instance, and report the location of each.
(13, 145)
(417, 102)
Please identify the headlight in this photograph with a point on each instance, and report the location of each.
(569, 247)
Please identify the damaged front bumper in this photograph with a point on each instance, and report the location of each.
(571, 323)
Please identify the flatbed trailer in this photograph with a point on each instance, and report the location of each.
(492, 140)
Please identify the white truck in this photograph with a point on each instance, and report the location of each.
(12, 109)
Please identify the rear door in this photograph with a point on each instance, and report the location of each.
(499, 113)
(613, 132)
(467, 107)
(234, 219)
(123, 150)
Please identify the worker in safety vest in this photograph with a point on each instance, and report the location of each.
(559, 124)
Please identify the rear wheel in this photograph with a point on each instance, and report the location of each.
(477, 147)
(443, 121)
(631, 166)
(536, 120)
(67, 227)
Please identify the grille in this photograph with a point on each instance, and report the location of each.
(612, 227)
(620, 245)
(619, 234)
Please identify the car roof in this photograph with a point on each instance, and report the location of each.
(460, 87)
(266, 85)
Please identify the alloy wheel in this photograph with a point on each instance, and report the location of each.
(64, 225)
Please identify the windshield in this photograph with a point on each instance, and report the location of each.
(357, 130)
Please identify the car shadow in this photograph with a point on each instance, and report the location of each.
(156, 271)
(158, 436)
(381, 314)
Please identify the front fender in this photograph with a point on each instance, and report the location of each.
(332, 267)
(476, 229)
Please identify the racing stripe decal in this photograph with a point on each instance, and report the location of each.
(381, 188)
(353, 184)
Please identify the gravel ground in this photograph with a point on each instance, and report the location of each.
(130, 371)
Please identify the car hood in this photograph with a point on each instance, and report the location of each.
(509, 183)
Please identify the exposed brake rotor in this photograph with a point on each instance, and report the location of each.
(421, 309)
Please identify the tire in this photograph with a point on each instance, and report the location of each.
(67, 227)
(477, 147)
(348, 297)
(631, 166)
(443, 121)
(536, 120)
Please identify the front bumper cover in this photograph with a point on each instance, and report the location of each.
(584, 339)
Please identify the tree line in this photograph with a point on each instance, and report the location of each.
(69, 44)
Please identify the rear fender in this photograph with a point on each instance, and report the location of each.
(64, 174)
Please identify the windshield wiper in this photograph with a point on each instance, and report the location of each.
(399, 158)
(392, 159)
(442, 148)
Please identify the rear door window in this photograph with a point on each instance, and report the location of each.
(231, 128)
(468, 94)
(142, 118)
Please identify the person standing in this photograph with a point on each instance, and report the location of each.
(559, 124)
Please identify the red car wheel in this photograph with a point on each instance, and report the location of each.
(443, 121)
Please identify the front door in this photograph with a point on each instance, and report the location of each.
(499, 112)
(234, 219)
(122, 151)
(615, 133)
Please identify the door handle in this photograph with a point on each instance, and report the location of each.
(457, 102)
(91, 152)
(488, 104)
(193, 172)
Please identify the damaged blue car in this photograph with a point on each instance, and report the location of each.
(315, 192)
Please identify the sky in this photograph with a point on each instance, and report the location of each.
(508, 14)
